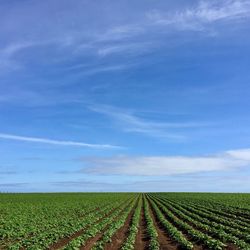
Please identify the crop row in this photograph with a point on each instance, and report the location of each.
(218, 233)
(112, 228)
(212, 209)
(38, 222)
(25, 223)
(45, 239)
(50, 222)
(202, 217)
(217, 218)
(151, 230)
(97, 228)
(195, 234)
(133, 229)
(172, 231)
(232, 204)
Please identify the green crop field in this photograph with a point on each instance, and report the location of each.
(125, 221)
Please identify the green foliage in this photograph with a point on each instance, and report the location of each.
(224, 233)
(133, 229)
(152, 232)
(171, 229)
(37, 221)
(116, 224)
(98, 227)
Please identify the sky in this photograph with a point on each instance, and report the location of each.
(124, 96)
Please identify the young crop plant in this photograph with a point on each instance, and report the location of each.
(152, 232)
(133, 229)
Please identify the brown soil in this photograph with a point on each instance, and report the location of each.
(90, 243)
(227, 215)
(2, 247)
(142, 239)
(231, 247)
(64, 241)
(166, 243)
(196, 246)
(121, 234)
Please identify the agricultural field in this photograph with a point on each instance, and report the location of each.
(125, 221)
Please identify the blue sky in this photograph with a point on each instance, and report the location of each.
(124, 96)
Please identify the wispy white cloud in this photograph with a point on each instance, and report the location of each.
(125, 48)
(127, 38)
(8, 53)
(129, 122)
(211, 11)
(100, 69)
(13, 48)
(55, 142)
(167, 165)
(206, 12)
(120, 32)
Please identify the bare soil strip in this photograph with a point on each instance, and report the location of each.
(64, 241)
(142, 239)
(232, 247)
(166, 243)
(120, 236)
(1, 246)
(90, 243)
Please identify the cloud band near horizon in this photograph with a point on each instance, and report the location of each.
(166, 165)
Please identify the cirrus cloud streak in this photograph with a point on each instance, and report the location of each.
(55, 142)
